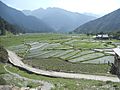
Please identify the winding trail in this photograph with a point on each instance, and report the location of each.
(15, 60)
(45, 85)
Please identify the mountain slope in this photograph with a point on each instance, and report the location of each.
(5, 26)
(107, 23)
(61, 20)
(30, 23)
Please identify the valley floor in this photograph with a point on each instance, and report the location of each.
(78, 57)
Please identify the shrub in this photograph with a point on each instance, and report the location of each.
(2, 81)
(30, 86)
(115, 85)
(99, 84)
(108, 82)
(3, 54)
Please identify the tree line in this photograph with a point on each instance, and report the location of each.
(5, 26)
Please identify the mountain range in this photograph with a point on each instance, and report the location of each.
(29, 23)
(106, 24)
(59, 19)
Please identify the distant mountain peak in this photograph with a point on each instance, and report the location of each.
(59, 19)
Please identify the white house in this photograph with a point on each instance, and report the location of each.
(102, 36)
(115, 68)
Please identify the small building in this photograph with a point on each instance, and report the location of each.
(115, 67)
(102, 36)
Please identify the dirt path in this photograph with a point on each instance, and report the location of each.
(15, 60)
(45, 85)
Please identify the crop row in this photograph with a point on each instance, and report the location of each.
(87, 57)
(101, 60)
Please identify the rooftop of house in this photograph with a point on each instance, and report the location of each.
(102, 36)
(117, 51)
(105, 35)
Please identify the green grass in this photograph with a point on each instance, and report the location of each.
(89, 45)
(57, 64)
(12, 40)
(68, 84)
(16, 40)
(10, 79)
(20, 82)
(2, 71)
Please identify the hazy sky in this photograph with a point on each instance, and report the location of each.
(91, 6)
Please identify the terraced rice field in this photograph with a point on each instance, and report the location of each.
(19, 48)
(82, 53)
(48, 50)
(68, 54)
(87, 44)
(102, 60)
(87, 57)
(37, 54)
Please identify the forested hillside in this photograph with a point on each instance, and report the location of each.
(107, 23)
(5, 26)
(28, 23)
